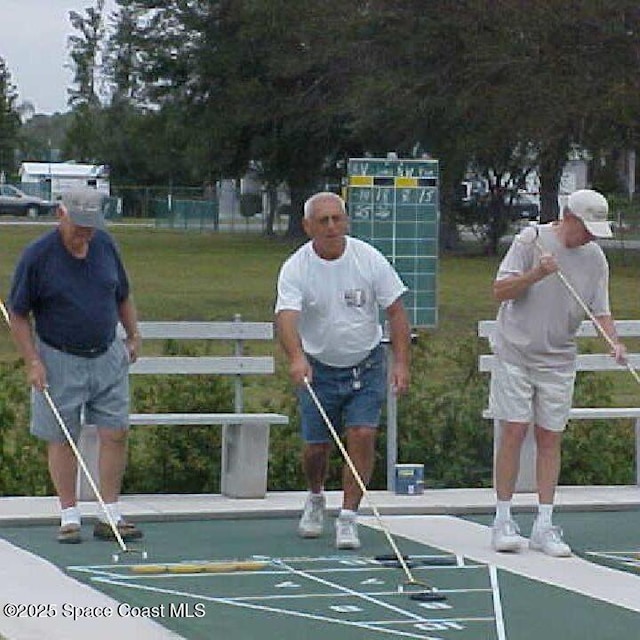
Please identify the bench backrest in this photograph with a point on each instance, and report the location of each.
(237, 364)
(585, 361)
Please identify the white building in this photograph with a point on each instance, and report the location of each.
(64, 176)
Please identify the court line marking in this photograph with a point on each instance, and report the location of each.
(164, 575)
(116, 579)
(436, 620)
(350, 561)
(620, 556)
(349, 591)
(497, 602)
(618, 559)
(353, 564)
(295, 614)
(453, 534)
(302, 596)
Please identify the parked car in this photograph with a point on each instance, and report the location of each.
(17, 203)
(524, 206)
(473, 194)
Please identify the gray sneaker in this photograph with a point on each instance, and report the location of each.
(505, 536)
(347, 533)
(549, 540)
(312, 520)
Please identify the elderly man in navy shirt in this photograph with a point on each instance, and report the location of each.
(69, 292)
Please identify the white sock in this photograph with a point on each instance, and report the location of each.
(114, 511)
(348, 514)
(503, 510)
(70, 515)
(545, 513)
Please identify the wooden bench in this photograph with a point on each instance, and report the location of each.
(584, 362)
(245, 436)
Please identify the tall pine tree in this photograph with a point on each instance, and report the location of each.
(9, 121)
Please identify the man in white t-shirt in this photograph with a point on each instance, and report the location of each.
(330, 292)
(534, 342)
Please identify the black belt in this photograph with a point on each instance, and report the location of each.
(91, 352)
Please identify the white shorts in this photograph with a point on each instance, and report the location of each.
(524, 394)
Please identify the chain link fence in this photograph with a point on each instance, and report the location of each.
(223, 208)
(187, 208)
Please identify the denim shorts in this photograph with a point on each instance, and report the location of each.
(96, 389)
(350, 396)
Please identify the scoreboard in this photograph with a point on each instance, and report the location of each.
(394, 205)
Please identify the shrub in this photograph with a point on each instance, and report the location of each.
(440, 421)
(24, 468)
(440, 424)
(174, 459)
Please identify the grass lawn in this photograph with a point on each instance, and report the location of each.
(180, 275)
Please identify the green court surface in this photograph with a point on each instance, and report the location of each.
(287, 587)
(610, 538)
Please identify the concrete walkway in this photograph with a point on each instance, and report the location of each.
(19, 510)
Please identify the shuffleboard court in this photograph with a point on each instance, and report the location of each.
(251, 578)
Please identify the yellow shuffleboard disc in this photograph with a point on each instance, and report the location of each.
(200, 567)
(149, 568)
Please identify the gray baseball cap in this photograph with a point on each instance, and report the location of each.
(84, 207)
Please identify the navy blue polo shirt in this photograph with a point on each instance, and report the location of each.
(74, 301)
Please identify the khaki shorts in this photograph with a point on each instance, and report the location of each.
(524, 394)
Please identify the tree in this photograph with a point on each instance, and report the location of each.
(121, 63)
(253, 82)
(9, 121)
(85, 50)
(579, 73)
(297, 122)
(42, 137)
(502, 86)
(84, 134)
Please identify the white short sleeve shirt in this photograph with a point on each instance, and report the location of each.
(338, 300)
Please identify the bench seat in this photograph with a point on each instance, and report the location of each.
(189, 419)
(592, 413)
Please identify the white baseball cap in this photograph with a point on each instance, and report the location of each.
(592, 208)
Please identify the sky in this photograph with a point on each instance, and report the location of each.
(33, 43)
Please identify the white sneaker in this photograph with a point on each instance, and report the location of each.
(347, 533)
(505, 536)
(312, 520)
(549, 540)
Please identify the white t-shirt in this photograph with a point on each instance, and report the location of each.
(338, 300)
(538, 328)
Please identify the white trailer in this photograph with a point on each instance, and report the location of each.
(61, 177)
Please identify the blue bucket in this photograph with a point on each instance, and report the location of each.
(409, 480)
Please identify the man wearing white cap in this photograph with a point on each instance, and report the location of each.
(534, 341)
